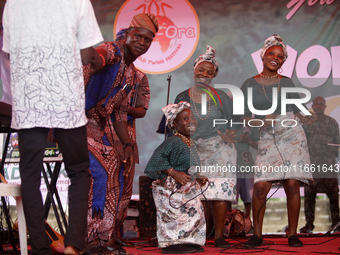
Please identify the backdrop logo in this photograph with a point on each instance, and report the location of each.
(239, 100)
(206, 90)
(176, 39)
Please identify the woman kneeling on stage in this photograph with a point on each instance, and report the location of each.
(181, 226)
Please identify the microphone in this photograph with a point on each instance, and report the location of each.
(273, 130)
(177, 187)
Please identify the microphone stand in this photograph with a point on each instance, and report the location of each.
(333, 228)
(167, 102)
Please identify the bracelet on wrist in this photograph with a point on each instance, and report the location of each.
(169, 172)
(102, 59)
(127, 145)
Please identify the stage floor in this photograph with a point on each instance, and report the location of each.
(316, 243)
(274, 244)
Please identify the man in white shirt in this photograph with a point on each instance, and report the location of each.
(47, 42)
(5, 74)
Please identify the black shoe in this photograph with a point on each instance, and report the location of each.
(254, 241)
(221, 243)
(178, 249)
(307, 229)
(294, 241)
(197, 247)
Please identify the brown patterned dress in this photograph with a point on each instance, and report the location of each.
(110, 191)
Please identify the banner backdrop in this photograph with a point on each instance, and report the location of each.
(237, 29)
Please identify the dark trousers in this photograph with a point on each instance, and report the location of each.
(73, 146)
(322, 185)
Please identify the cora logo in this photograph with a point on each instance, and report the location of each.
(176, 39)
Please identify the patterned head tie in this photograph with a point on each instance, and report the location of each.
(172, 110)
(209, 56)
(145, 20)
(274, 40)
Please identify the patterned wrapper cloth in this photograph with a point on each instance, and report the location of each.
(178, 226)
(218, 163)
(286, 156)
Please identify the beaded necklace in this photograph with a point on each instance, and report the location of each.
(270, 77)
(189, 143)
(192, 96)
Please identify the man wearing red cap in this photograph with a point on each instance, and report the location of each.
(116, 94)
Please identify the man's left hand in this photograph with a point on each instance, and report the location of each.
(128, 160)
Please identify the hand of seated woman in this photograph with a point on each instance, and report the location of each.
(180, 177)
(201, 180)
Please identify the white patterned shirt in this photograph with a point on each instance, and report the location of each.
(44, 39)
